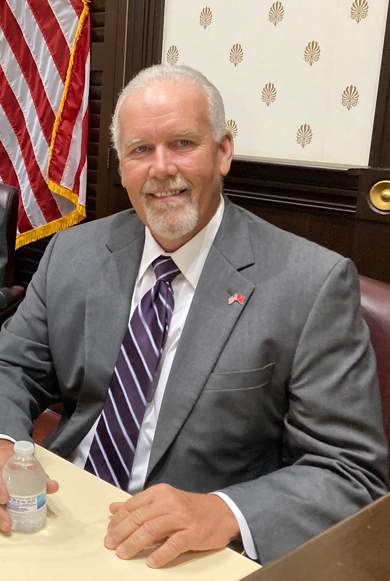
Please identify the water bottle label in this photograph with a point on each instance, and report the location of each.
(26, 504)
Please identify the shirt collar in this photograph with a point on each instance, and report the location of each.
(191, 257)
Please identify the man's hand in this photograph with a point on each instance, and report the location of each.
(198, 522)
(6, 451)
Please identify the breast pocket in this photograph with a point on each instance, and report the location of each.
(240, 380)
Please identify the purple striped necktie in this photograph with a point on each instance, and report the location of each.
(113, 447)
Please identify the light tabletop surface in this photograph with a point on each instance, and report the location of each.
(70, 546)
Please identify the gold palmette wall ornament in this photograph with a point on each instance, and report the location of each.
(206, 17)
(231, 125)
(350, 97)
(236, 54)
(304, 135)
(276, 13)
(312, 52)
(269, 93)
(359, 10)
(380, 196)
(172, 55)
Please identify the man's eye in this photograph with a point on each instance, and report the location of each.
(140, 149)
(184, 142)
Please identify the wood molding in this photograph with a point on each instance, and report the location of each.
(308, 187)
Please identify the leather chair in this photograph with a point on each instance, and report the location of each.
(375, 301)
(9, 199)
(47, 421)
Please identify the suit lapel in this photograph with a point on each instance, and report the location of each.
(112, 279)
(207, 328)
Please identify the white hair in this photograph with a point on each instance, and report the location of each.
(176, 74)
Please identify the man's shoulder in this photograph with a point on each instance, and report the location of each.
(101, 231)
(102, 225)
(290, 268)
(288, 260)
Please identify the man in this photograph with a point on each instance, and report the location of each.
(266, 391)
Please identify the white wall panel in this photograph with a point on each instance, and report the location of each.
(306, 94)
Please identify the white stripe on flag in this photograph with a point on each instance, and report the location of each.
(67, 19)
(47, 70)
(11, 145)
(73, 159)
(19, 87)
(83, 185)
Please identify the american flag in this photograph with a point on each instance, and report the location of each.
(44, 83)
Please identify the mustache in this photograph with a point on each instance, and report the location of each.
(155, 185)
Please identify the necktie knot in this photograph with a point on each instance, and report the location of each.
(165, 269)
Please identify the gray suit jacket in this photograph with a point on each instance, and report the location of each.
(274, 401)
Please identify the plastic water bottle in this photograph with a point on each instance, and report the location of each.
(25, 480)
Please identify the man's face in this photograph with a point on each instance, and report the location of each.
(170, 164)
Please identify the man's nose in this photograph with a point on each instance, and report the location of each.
(163, 164)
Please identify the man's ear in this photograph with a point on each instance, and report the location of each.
(226, 148)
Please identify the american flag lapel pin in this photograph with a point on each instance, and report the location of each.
(236, 297)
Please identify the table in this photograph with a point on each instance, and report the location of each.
(70, 546)
(357, 549)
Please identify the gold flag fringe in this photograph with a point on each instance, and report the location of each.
(80, 212)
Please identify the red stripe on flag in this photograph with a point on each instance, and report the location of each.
(73, 103)
(38, 184)
(16, 41)
(78, 6)
(84, 144)
(9, 177)
(52, 34)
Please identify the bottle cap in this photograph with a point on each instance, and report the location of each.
(24, 447)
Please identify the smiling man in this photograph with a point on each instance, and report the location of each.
(212, 365)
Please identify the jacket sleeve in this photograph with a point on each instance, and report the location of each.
(28, 380)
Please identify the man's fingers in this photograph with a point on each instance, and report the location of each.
(123, 526)
(121, 515)
(6, 451)
(5, 519)
(141, 499)
(148, 534)
(3, 492)
(115, 506)
(52, 486)
(134, 512)
(173, 547)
